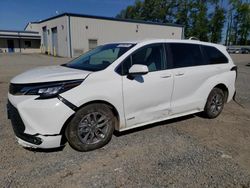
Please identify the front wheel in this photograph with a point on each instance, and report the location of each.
(215, 103)
(91, 128)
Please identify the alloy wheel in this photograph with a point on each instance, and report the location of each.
(93, 128)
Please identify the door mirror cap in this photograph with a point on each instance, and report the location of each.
(137, 69)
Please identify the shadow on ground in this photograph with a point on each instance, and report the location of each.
(161, 123)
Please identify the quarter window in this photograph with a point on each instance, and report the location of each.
(186, 55)
(214, 56)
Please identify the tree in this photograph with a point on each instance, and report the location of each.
(239, 27)
(203, 19)
(216, 23)
(182, 15)
(229, 27)
(132, 12)
(154, 10)
(199, 20)
(243, 23)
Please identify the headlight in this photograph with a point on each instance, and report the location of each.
(45, 90)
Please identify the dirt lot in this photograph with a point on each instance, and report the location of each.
(185, 152)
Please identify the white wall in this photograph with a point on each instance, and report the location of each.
(33, 27)
(82, 29)
(62, 30)
(106, 31)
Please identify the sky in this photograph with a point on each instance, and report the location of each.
(15, 14)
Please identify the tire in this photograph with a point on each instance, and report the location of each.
(91, 128)
(214, 104)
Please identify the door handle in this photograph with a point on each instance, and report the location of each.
(179, 74)
(166, 76)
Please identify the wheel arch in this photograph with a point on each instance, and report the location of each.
(112, 107)
(221, 86)
(225, 90)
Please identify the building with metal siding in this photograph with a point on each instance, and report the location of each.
(70, 35)
(45, 28)
(19, 41)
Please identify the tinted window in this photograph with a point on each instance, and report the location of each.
(152, 56)
(185, 55)
(105, 56)
(214, 55)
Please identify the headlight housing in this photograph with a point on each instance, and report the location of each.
(44, 90)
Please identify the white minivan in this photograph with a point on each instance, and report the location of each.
(119, 86)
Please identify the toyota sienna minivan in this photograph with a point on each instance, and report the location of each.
(119, 86)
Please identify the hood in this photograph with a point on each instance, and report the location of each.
(49, 74)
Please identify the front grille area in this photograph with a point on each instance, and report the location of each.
(19, 127)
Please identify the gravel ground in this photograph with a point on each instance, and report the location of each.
(184, 152)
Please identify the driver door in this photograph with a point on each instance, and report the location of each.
(147, 98)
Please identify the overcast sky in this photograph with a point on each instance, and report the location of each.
(15, 14)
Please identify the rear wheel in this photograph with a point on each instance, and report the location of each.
(215, 103)
(91, 128)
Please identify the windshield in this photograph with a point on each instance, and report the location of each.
(100, 57)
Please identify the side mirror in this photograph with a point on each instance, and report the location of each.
(137, 69)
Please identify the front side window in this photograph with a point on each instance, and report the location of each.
(99, 58)
(186, 55)
(152, 56)
(214, 56)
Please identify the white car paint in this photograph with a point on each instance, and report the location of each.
(138, 68)
(150, 98)
(152, 95)
(49, 74)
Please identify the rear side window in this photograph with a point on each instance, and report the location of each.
(214, 56)
(186, 55)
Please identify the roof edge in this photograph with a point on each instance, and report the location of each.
(18, 31)
(109, 18)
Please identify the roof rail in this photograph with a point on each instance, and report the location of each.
(193, 38)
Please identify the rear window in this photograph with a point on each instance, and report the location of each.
(214, 56)
(186, 55)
